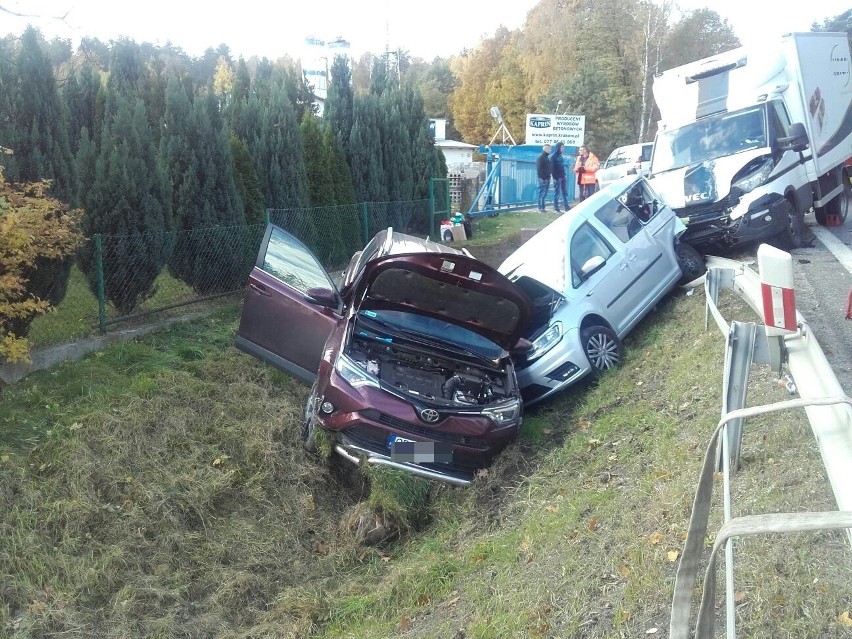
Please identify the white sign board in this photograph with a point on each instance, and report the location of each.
(550, 129)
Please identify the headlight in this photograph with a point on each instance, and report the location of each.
(504, 415)
(545, 342)
(755, 179)
(354, 374)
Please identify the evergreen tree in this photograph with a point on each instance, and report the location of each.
(379, 80)
(344, 191)
(317, 163)
(339, 102)
(246, 180)
(365, 150)
(208, 255)
(397, 148)
(324, 215)
(128, 201)
(41, 146)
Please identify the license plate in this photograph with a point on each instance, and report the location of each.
(404, 450)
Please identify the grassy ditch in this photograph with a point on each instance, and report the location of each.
(158, 489)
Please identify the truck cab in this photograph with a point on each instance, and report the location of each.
(749, 141)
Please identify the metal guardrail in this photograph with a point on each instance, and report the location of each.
(829, 412)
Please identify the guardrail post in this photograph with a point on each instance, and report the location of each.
(266, 216)
(99, 269)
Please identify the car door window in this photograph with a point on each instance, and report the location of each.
(640, 201)
(586, 244)
(619, 219)
(293, 263)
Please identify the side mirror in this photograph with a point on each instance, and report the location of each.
(322, 296)
(591, 265)
(797, 140)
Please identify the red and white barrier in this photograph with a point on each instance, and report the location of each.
(776, 288)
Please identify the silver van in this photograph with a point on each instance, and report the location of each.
(625, 160)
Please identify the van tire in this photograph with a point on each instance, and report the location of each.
(602, 347)
(691, 262)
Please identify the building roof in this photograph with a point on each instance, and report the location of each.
(454, 144)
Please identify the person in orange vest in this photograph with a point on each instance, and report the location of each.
(585, 167)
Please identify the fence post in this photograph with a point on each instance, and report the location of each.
(266, 216)
(432, 209)
(365, 223)
(99, 269)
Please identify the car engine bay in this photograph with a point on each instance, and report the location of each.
(420, 373)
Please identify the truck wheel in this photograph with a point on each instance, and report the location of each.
(602, 347)
(796, 234)
(838, 207)
(691, 262)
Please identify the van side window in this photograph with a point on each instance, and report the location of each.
(619, 219)
(586, 244)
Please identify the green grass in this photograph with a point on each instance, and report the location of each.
(495, 230)
(77, 316)
(159, 488)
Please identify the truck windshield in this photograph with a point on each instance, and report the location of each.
(710, 138)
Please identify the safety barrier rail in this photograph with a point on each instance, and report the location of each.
(785, 338)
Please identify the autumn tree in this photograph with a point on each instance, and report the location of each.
(37, 233)
(698, 34)
(480, 85)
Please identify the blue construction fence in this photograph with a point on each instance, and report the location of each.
(511, 180)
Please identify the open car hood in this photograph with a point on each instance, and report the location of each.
(454, 288)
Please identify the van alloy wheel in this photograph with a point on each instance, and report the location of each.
(602, 347)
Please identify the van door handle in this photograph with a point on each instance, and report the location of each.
(260, 289)
(623, 266)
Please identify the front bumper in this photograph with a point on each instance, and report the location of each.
(558, 368)
(365, 419)
(714, 224)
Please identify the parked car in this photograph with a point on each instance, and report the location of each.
(634, 159)
(408, 353)
(593, 273)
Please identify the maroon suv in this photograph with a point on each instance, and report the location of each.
(408, 357)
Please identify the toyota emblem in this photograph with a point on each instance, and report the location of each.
(429, 415)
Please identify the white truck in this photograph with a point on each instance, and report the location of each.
(751, 140)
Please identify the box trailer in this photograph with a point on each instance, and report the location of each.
(751, 140)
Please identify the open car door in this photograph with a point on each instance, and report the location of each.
(291, 306)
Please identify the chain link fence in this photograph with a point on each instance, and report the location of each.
(125, 279)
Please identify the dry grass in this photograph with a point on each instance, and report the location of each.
(167, 495)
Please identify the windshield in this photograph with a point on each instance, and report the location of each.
(710, 138)
(437, 329)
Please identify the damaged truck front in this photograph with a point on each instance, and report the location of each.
(751, 139)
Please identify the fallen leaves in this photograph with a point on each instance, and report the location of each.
(593, 524)
(844, 619)
(673, 555)
(655, 538)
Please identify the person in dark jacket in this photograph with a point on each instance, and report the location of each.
(560, 180)
(542, 166)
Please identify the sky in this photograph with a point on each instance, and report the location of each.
(272, 29)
